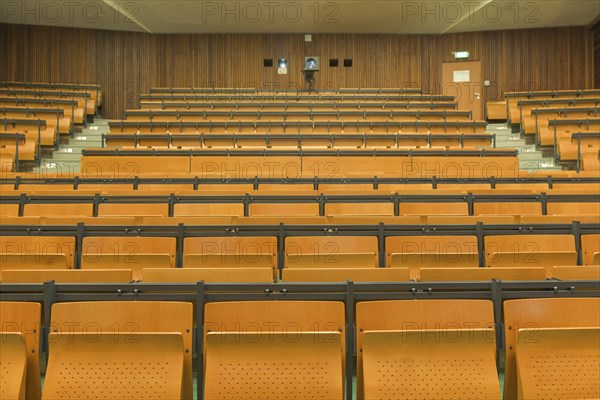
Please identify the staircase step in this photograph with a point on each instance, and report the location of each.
(80, 145)
(64, 156)
(510, 143)
(49, 167)
(542, 164)
(531, 156)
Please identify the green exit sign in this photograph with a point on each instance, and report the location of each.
(461, 55)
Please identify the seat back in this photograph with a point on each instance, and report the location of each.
(530, 250)
(482, 274)
(331, 251)
(67, 276)
(430, 364)
(245, 366)
(345, 274)
(418, 315)
(538, 314)
(128, 253)
(13, 365)
(417, 252)
(115, 366)
(25, 319)
(590, 246)
(183, 275)
(268, 316)
(131, 318)
(576, 272)
(558, 363)
(35, 252)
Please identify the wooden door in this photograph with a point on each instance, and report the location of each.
(463, 80)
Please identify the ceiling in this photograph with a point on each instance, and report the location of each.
(303, 16)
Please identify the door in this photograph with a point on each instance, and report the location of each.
(463, 80)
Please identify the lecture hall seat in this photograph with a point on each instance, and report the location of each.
(426, 349)
(434, 251)
(331, 252)
(115, 366)
(542, 313)
(167, 324)
(23, 319)
(248, 338)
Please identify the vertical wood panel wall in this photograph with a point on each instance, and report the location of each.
(127, 64)
(596, 34)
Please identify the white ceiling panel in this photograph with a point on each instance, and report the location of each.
(302, 16)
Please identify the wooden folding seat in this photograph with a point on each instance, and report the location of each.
(225, 186)
(530, 250)
(133, 209)
(576, 272)
(590, 162)
(7, 210)
(312, 366)
(249, 337)
(541, 314)
(359, 208)
(482, 274)
(580, 208)
(66, 209)
(109, 221)
(266, 188)
(400, 188)
(165, 187)
(191, 221)
(116, 166)
(135, 253)
(234, 252)
(345, 274)
(590, 246)
(20, 322)
(496, 110)
(161, 329)
(272, 209)
(31, 127)
(470, 219)
(558, 363)
(43, 187)
(282, 219)
(36, 252)
(331, 252)
(507, 208)
(374, 220)
(20, 221)
(67, 276)
(423, 208)
(416, 252)
(569, 149)
(225, 274)
(464, 167)
(208, 209)
(347, 188)
(426, 349)
(28, 148)
(106, 188)
(13, 363)
(559, 219)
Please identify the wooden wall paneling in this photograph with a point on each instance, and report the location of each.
(127, 64)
